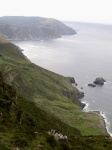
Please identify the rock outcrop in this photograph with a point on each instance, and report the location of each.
(58, 136)
(99, 81)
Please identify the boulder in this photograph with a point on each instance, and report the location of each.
(92, 85)
(99, 81)
(82, 105)
(76, 84)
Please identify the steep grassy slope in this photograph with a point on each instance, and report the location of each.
(33, 28)
(21, 121)
(24, 125)
(51, 92)
(34, 100)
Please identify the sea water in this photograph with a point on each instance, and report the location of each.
(84, 56)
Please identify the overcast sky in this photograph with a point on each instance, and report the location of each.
(99, 11)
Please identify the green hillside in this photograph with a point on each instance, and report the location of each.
(51, 92)
(21, 121)
(34, 101)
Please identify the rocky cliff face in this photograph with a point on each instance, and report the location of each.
(33, 28)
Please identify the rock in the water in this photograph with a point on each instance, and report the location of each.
(76, 84)
(92, 85)
(99, 81)
(83, 105)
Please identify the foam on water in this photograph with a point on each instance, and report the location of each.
(86, 106)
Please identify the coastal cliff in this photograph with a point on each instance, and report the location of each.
(36, 101)
(51, 92)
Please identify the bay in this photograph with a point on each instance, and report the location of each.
(85, 56)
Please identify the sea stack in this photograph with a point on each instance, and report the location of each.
(99, 81)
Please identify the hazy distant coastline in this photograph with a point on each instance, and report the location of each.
(33, 28)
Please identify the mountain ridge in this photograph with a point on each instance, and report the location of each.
(33, 28)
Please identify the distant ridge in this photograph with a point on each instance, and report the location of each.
(33, 28)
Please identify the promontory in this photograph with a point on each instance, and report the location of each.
(33, 28)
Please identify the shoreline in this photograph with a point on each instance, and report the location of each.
(103, 121)
(103, 124)
(106, 123)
